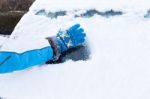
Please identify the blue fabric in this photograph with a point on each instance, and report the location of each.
(11, 61)
(70, 38)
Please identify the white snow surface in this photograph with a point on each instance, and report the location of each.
(2, 39)
(119, 65)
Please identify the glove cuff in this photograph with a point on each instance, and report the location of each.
(55, 46)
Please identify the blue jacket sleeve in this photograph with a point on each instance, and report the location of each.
(12, 61)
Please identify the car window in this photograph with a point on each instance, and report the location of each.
(92, 12)
(147, 15)
(83, 14)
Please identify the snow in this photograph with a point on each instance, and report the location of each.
(127, 5)
(120, 52)
(2, 40)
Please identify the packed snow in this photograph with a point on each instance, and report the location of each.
(119, 64)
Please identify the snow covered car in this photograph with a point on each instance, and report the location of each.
(118, 37)
(29, 56)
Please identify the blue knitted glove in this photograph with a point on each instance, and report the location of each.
(70, 38)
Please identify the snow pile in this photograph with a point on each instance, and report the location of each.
(117, 69)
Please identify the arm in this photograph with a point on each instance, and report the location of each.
(64, 40)
(11, 61)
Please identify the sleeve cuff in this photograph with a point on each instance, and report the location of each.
(55, 47)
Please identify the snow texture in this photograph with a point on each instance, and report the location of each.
(3, 39)
(119, 65)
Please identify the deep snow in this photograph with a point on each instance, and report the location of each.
(120, 54)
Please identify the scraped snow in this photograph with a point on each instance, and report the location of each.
(119, 66)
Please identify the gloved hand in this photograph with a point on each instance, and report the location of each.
(72, 37)
(64, 40)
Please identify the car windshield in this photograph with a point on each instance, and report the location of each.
(78, 13)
